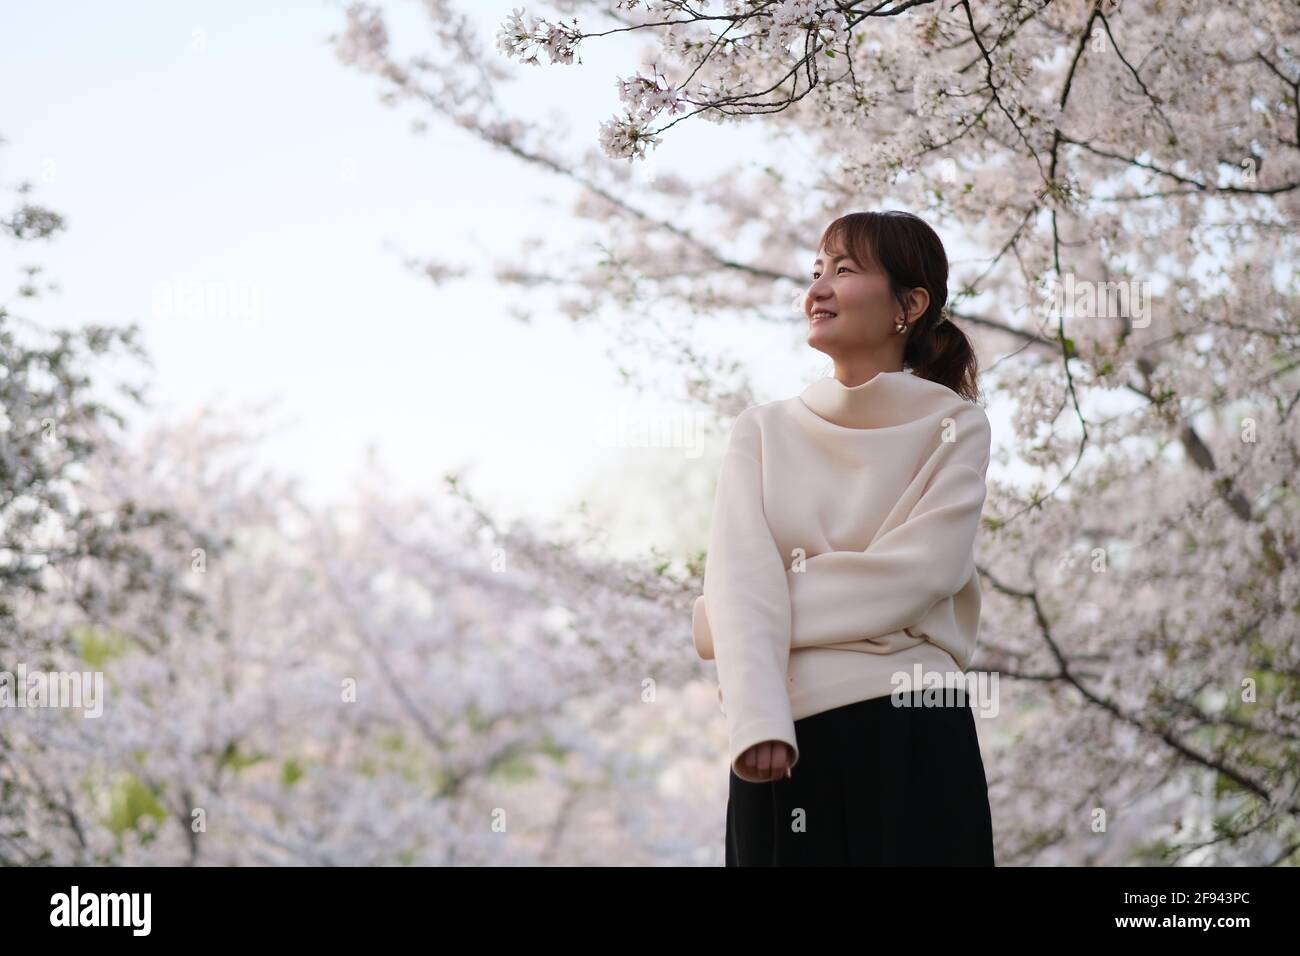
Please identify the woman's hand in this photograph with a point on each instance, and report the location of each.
(768, 761)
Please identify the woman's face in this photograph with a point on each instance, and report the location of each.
(864, 309)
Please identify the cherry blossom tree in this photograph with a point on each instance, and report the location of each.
(376, 683)
(72, 563)
(416, 682)
(1126, 178)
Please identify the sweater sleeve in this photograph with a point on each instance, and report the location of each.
(748, 602)
(843, 596)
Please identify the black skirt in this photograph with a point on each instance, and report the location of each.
(876, 785)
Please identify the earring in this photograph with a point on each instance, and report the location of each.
(900, 325)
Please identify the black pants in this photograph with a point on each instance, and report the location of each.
(876, 785)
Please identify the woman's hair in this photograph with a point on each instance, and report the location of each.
(912, 255)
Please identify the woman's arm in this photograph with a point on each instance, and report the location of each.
(748, 598)
(847, 596)
(858, 595)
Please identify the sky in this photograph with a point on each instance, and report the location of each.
(223, 147)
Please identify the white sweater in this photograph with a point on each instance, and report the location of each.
(841, 550)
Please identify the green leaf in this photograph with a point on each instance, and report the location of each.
(128, 802)
(291, 772)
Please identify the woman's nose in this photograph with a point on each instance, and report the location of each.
(817, 292)
(819, 287)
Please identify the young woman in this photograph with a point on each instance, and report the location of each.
(841, 566)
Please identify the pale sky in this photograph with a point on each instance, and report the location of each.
(205, 142)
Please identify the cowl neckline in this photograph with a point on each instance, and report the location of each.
(885, 400)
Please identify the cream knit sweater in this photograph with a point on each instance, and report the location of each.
(841, 551)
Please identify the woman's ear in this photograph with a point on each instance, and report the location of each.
(918, 300)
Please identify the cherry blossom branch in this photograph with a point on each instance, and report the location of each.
(1065, 675)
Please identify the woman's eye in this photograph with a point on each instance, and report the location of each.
(842, 267)
(816, 274)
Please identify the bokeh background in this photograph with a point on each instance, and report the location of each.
(365, 523)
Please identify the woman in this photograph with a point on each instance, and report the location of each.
(840, 577)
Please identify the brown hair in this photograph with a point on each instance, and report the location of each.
(912, 255)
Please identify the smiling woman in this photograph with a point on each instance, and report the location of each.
(841, 555)
(878, 295)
